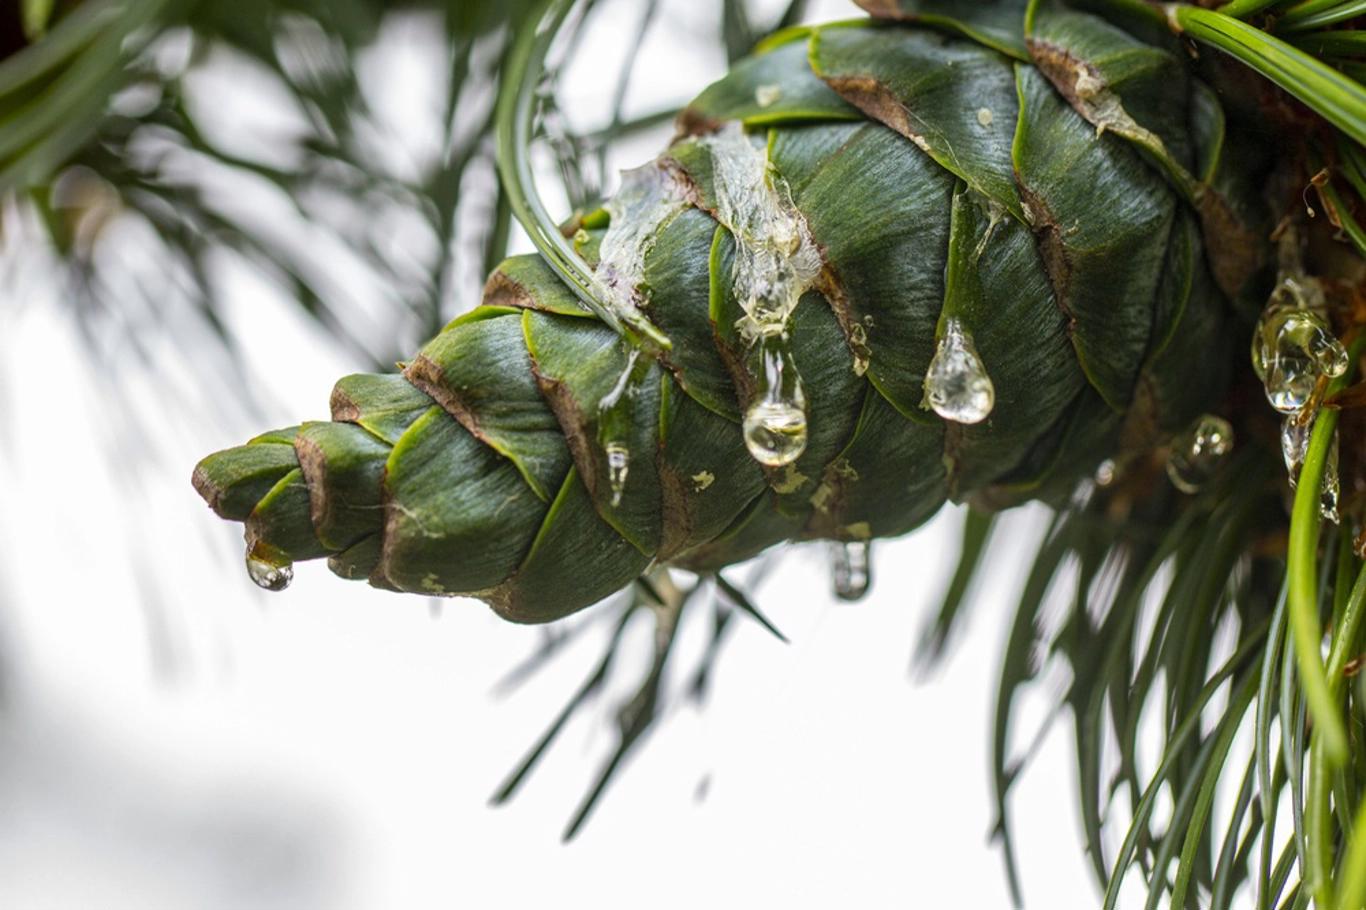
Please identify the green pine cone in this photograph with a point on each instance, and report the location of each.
(1056, 214)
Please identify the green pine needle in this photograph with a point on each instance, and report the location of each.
(1338, 99)
(36, 14)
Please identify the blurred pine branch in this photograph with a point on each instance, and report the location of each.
(99, 122)
(103, 123)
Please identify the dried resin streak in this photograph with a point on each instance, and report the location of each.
(881, 292)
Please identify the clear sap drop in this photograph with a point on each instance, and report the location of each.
(614, 422)
(1294, 446)
(1197, 453)
(618, 466)
(1293, 346)
(269, 568)
(957, 386)
(1331, 488)
(1106, 472)
(850, 569)
(775, 433)
(775, 424)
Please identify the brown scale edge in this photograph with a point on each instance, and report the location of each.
(1231, 247)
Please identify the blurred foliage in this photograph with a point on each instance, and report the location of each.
(98, 124)
(103, 121)
(99, 121)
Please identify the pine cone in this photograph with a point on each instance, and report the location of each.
(959, 265)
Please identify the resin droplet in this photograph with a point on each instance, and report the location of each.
(614, 422)
(618, 466)
(1293, 346)
(1197, 453)
(775, 433)
(775, 424)
(1106, 472)
(850, 569)
(269, 567)
(1331, 488)
(1294, 446)
(957, 385)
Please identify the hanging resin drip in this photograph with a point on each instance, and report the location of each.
(775, 262)
(1331, 487)
(1197, 453)
(1294, 446)
(618, 466)
(957, 386)
(614, 423)
(1295, 433)
(851, 569)
(775, 424)
(648, 197)
(1293, 345)
(268, 567)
